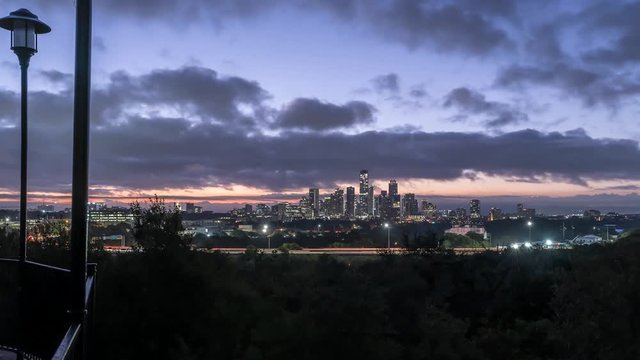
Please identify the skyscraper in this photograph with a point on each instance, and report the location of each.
(362, 207)
(314, 201)
(350, 205)
(305, 208)
(191, 208)
(495, 214)
(364, 181)
(409, 205)
(371, 206)
(335, 204)
(474, 209)
(393, 187)
(384, 206)
(394, 198)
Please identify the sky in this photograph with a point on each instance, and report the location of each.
(223, 102)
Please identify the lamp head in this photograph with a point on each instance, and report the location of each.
(25, 27)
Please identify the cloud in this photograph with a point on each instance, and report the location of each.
(462, 26)
(148, 149)
(8, 110)
(161, 152)
(474, 103)
(56, 76)
(447, 27)
(146, 153)
(622, 20)
(196, 92)
(622, 187)
(386, 83)
(313, 114)
(418, 91)
(591, 86)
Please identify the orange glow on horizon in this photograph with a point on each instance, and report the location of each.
(482, 186)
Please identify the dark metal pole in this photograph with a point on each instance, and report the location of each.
(23, 56)
(388, 238)
(80, 191)
(24, 67)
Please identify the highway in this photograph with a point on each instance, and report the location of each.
(316, 251)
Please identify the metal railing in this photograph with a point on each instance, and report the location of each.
(35, 321)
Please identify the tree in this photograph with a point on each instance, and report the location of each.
(158, 228)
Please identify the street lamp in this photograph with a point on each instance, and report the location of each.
(24, 27)
(529, 225)
(386, 225)
(265, 228)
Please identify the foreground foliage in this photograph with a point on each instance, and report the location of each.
(540, 305)
(168, 302)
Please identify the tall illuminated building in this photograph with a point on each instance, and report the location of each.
(409, 205)
(394, 198)
(350, 203)
(393, 187)
(474, 209)
(362, 207)
(495, 214)
(314, 201)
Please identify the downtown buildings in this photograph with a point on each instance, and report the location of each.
(359, 202)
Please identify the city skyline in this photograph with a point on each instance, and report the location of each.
(315, 196)
(454, 99)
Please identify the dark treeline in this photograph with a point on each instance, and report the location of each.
(579, 304)
(168, 302)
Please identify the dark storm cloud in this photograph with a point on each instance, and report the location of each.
(192, 90)
(386, 83)
(544, 44)
(152, 153)
(582, 52)
(593, 87)
(171, 152)
(8, 110)
(474, 103)
(464, 26)
(56, 76)
(448, 27)
(313, 114)
(144, 150)
(622, 20)
(622, 187)
(505, 8)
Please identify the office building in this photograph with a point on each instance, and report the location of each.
(362, 207)
(474, 209)
(350, 203)
(495, 214)
(409, 205)
(314, 201)
(394, 198)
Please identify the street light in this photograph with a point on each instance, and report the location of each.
(529, 225)
(265, 228)
(24, 27)
(386, 225)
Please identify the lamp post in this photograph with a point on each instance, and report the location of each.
(265, 228)
(24, 27)
(529, 225)
(80, 175)
(386, 225)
